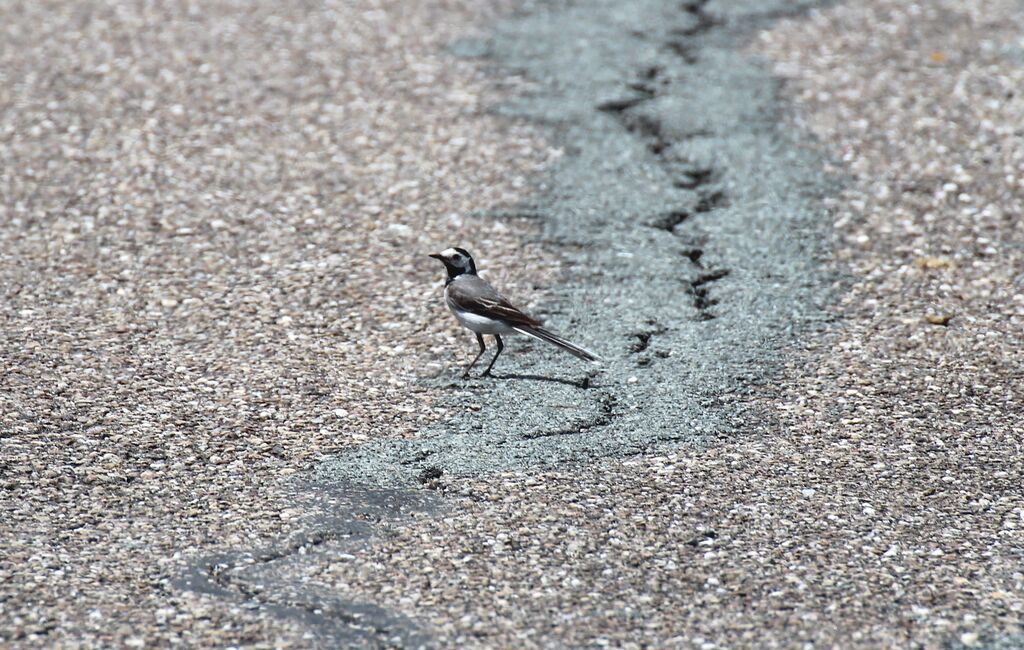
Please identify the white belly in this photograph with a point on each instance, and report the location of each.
(482, 324)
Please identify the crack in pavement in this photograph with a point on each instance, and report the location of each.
(643, 343)
(698, 287)
(603, 417)
(651, 130)
(340, 519)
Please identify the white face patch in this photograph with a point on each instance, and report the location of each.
(457, 259)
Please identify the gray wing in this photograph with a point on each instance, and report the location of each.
(470, 293)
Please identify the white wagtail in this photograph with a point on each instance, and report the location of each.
(478, 307)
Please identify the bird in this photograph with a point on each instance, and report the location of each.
(480, 308)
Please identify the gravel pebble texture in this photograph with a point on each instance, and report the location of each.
(208, 220)
(214, 226)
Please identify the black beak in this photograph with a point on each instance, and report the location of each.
(436, 256)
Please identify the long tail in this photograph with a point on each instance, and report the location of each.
(542, 334)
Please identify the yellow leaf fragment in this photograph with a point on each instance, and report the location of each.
(932, 263)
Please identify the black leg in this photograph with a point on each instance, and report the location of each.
(501, 346)
(480, 340)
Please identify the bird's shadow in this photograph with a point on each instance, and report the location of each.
(584, 383)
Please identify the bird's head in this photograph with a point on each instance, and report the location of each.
(457, 261)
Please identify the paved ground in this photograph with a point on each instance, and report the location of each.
(161, 379)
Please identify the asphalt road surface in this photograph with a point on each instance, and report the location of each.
(232, 411)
